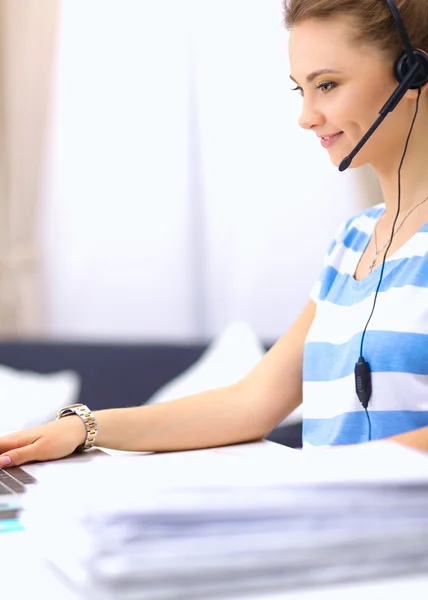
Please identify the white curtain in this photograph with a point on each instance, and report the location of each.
(27, 43)
(181, 193)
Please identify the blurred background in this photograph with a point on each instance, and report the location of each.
(154, 182)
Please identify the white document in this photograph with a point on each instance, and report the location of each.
(262, 466)
(234, 520)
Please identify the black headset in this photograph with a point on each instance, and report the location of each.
(411, 72)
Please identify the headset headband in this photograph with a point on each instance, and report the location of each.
(402, 30)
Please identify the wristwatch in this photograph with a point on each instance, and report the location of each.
(82, 411)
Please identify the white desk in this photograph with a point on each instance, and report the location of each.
(25, 573)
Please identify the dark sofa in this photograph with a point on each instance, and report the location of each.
(117, 375)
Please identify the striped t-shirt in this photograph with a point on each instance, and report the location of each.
(395, 346)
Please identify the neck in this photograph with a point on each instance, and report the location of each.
(414, 189)
(412, 193)
(414, 174)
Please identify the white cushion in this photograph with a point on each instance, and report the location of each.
(29, 399)
(227, 359)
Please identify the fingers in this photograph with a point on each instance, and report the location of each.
(47, 442)
(17, 440)
(19, 456)
(18, 448)
(7, 442)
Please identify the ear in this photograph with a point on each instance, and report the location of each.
(413, 94)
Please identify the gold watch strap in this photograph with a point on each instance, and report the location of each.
(88, 419)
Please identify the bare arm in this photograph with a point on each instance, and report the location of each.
(214, 418)
(242, 412)
(417, 439)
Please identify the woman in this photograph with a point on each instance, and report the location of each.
(342, 55)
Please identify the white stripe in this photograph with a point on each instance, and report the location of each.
(391, 391)
(315, 291)
(326, 399)
(399, 309)
(344, 260)
(365, 224)
(417, 246)
(338, 234)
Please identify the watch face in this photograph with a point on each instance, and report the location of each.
(65, 412)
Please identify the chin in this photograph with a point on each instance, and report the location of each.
(355, 164)
(359, 161)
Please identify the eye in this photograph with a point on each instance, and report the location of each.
(327, 86)
(324, 87)
(298, 89)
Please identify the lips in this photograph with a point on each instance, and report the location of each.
(328, 140)
(330, 135)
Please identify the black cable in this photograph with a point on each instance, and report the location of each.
(370, 425)
(393, 226)
(365, 373)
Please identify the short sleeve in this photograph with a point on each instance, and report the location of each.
(314, 294)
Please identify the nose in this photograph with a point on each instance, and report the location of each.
(310, 117)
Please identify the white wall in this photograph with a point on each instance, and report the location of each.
(181, 193)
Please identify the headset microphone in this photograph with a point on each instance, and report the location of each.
(390, 104)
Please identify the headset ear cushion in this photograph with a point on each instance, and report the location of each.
(401, 68)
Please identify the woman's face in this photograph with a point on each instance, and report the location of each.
(346, 98)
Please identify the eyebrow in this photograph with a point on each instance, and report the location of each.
(315, 74)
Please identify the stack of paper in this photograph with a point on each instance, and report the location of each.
(217, 525)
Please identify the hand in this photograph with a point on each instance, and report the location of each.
(47, 442)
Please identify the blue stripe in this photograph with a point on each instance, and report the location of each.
(353, 428)
(374, 212)
(386, 352)
(344, 290)
(356, 240)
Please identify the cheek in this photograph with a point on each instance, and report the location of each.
(361, 107)
(391, 132)
(350, 117)
(356, 114)
(367, 109)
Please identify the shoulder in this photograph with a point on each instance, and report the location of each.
(357, 227)
(366, 216)
(362, 221)
(351, 237)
